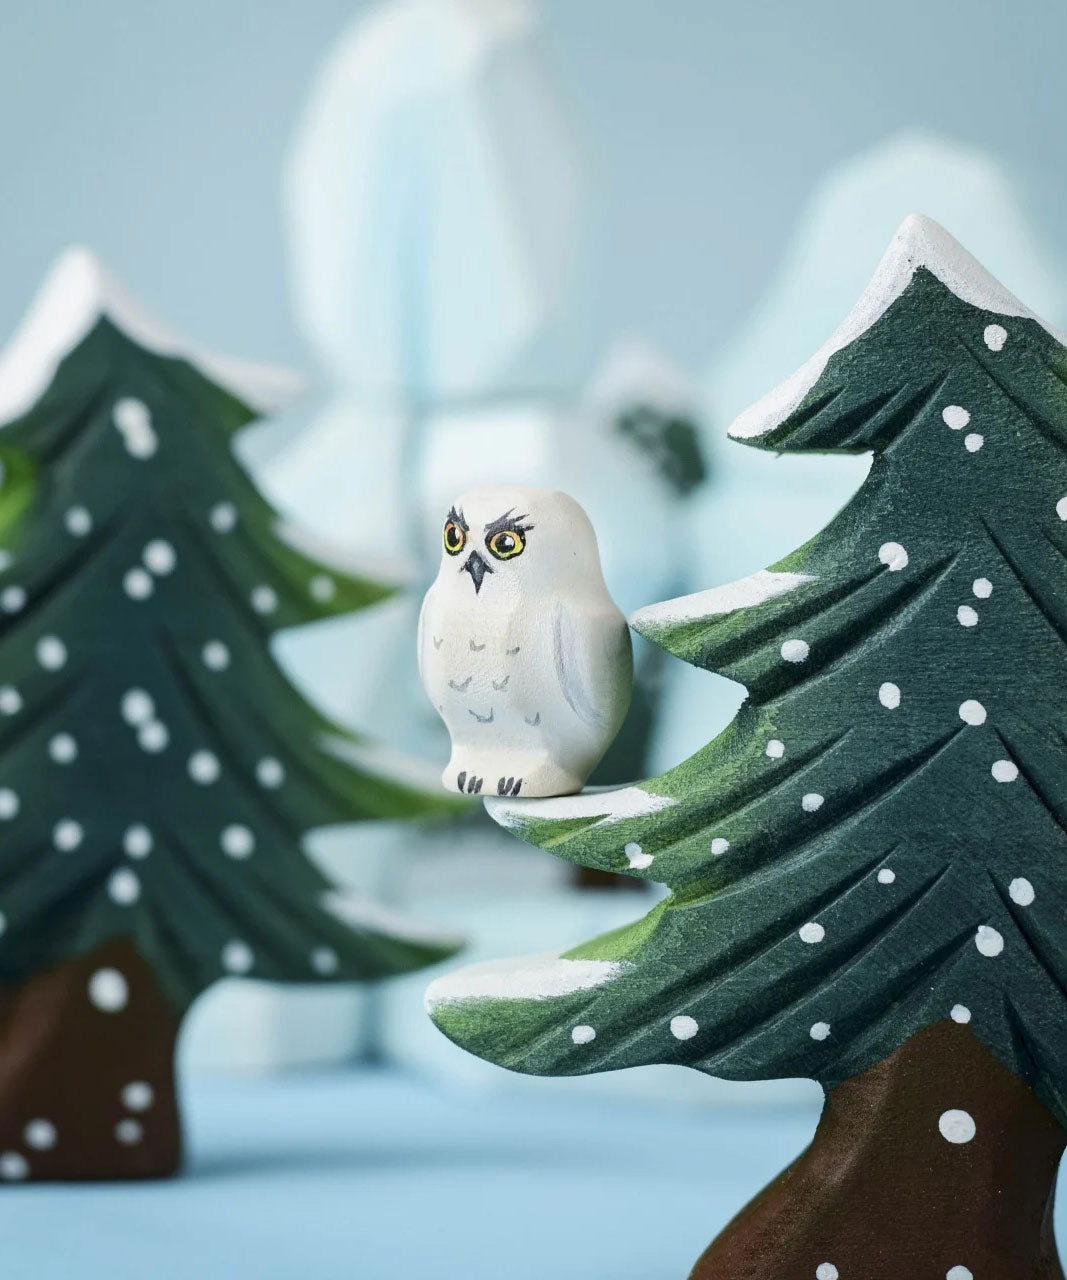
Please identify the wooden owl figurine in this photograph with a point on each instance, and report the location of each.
(521, 649)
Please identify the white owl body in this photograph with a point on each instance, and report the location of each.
(521, 648)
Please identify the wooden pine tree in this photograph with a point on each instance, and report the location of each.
(866, 866)
(158, 771)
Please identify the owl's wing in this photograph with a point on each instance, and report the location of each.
(594, 664)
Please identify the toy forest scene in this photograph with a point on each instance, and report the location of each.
(533, 642)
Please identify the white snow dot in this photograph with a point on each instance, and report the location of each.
(137, 583)
(972, 712)
(1005, 770)
(988, 941)
(960, 1013)
(893, 556)
(1061, 508)
(159, 556)
(264, 599)
(775, 749)
(269, 772)
(959, 1273)
(215, 656)
(955, 416)
(124, 887)
(129, 1132)
(131, 414)
(237, 841)
(9, 804)
(137, 841)
(889, 695)
(973, 442)
(13, 1166)
(153, 736)
(995, 336)
(826, 1271)
(137, 707)
(223, 517)
(108, 990)
(13, 599)
(51, 652)
(795, 650)
(204, 767)
(636, 856)
(138, 1095)
(134, 424)
(67, 834)
(811, 801)
(323, 588)
(982, 588)
(811, 932)
(582, 1034)
(956, 1126)
(719, 846)
(887, 875)
(1021, 891)
(78, 521)
(683, 1027)
(40, 1134)
(10, 700)
(966, 616)
(62, 748)
(324, 960)
(819, 1030)
(237, 957)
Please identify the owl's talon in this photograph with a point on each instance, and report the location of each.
(474, 786)
(508, 786)
(461, 779)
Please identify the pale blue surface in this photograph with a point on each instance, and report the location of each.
(371, 1175)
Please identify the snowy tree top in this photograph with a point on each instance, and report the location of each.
(78, 292)
(919, 242)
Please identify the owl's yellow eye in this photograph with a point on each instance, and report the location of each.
(506, 544)
(455, 538)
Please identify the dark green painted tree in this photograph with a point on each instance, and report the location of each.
(158, 772)
(875, 846)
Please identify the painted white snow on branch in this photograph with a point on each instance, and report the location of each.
(606, 805)
(919, 242)
(365, 916)
(540, 977)
(76, 293)
(742, 594)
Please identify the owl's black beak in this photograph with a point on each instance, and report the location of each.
(477, 566)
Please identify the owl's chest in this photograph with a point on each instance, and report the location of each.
(488, 666)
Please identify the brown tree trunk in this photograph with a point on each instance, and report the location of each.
(87, 1072)
(882, 1194)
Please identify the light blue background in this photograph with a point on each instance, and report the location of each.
(155, 133)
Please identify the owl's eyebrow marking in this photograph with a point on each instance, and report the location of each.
(456, 517)
(507, 521)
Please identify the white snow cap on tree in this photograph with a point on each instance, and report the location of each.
(919, 242)
(843, 229)
(77, 292)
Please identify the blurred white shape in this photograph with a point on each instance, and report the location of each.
(434, 195)
(763, 506)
